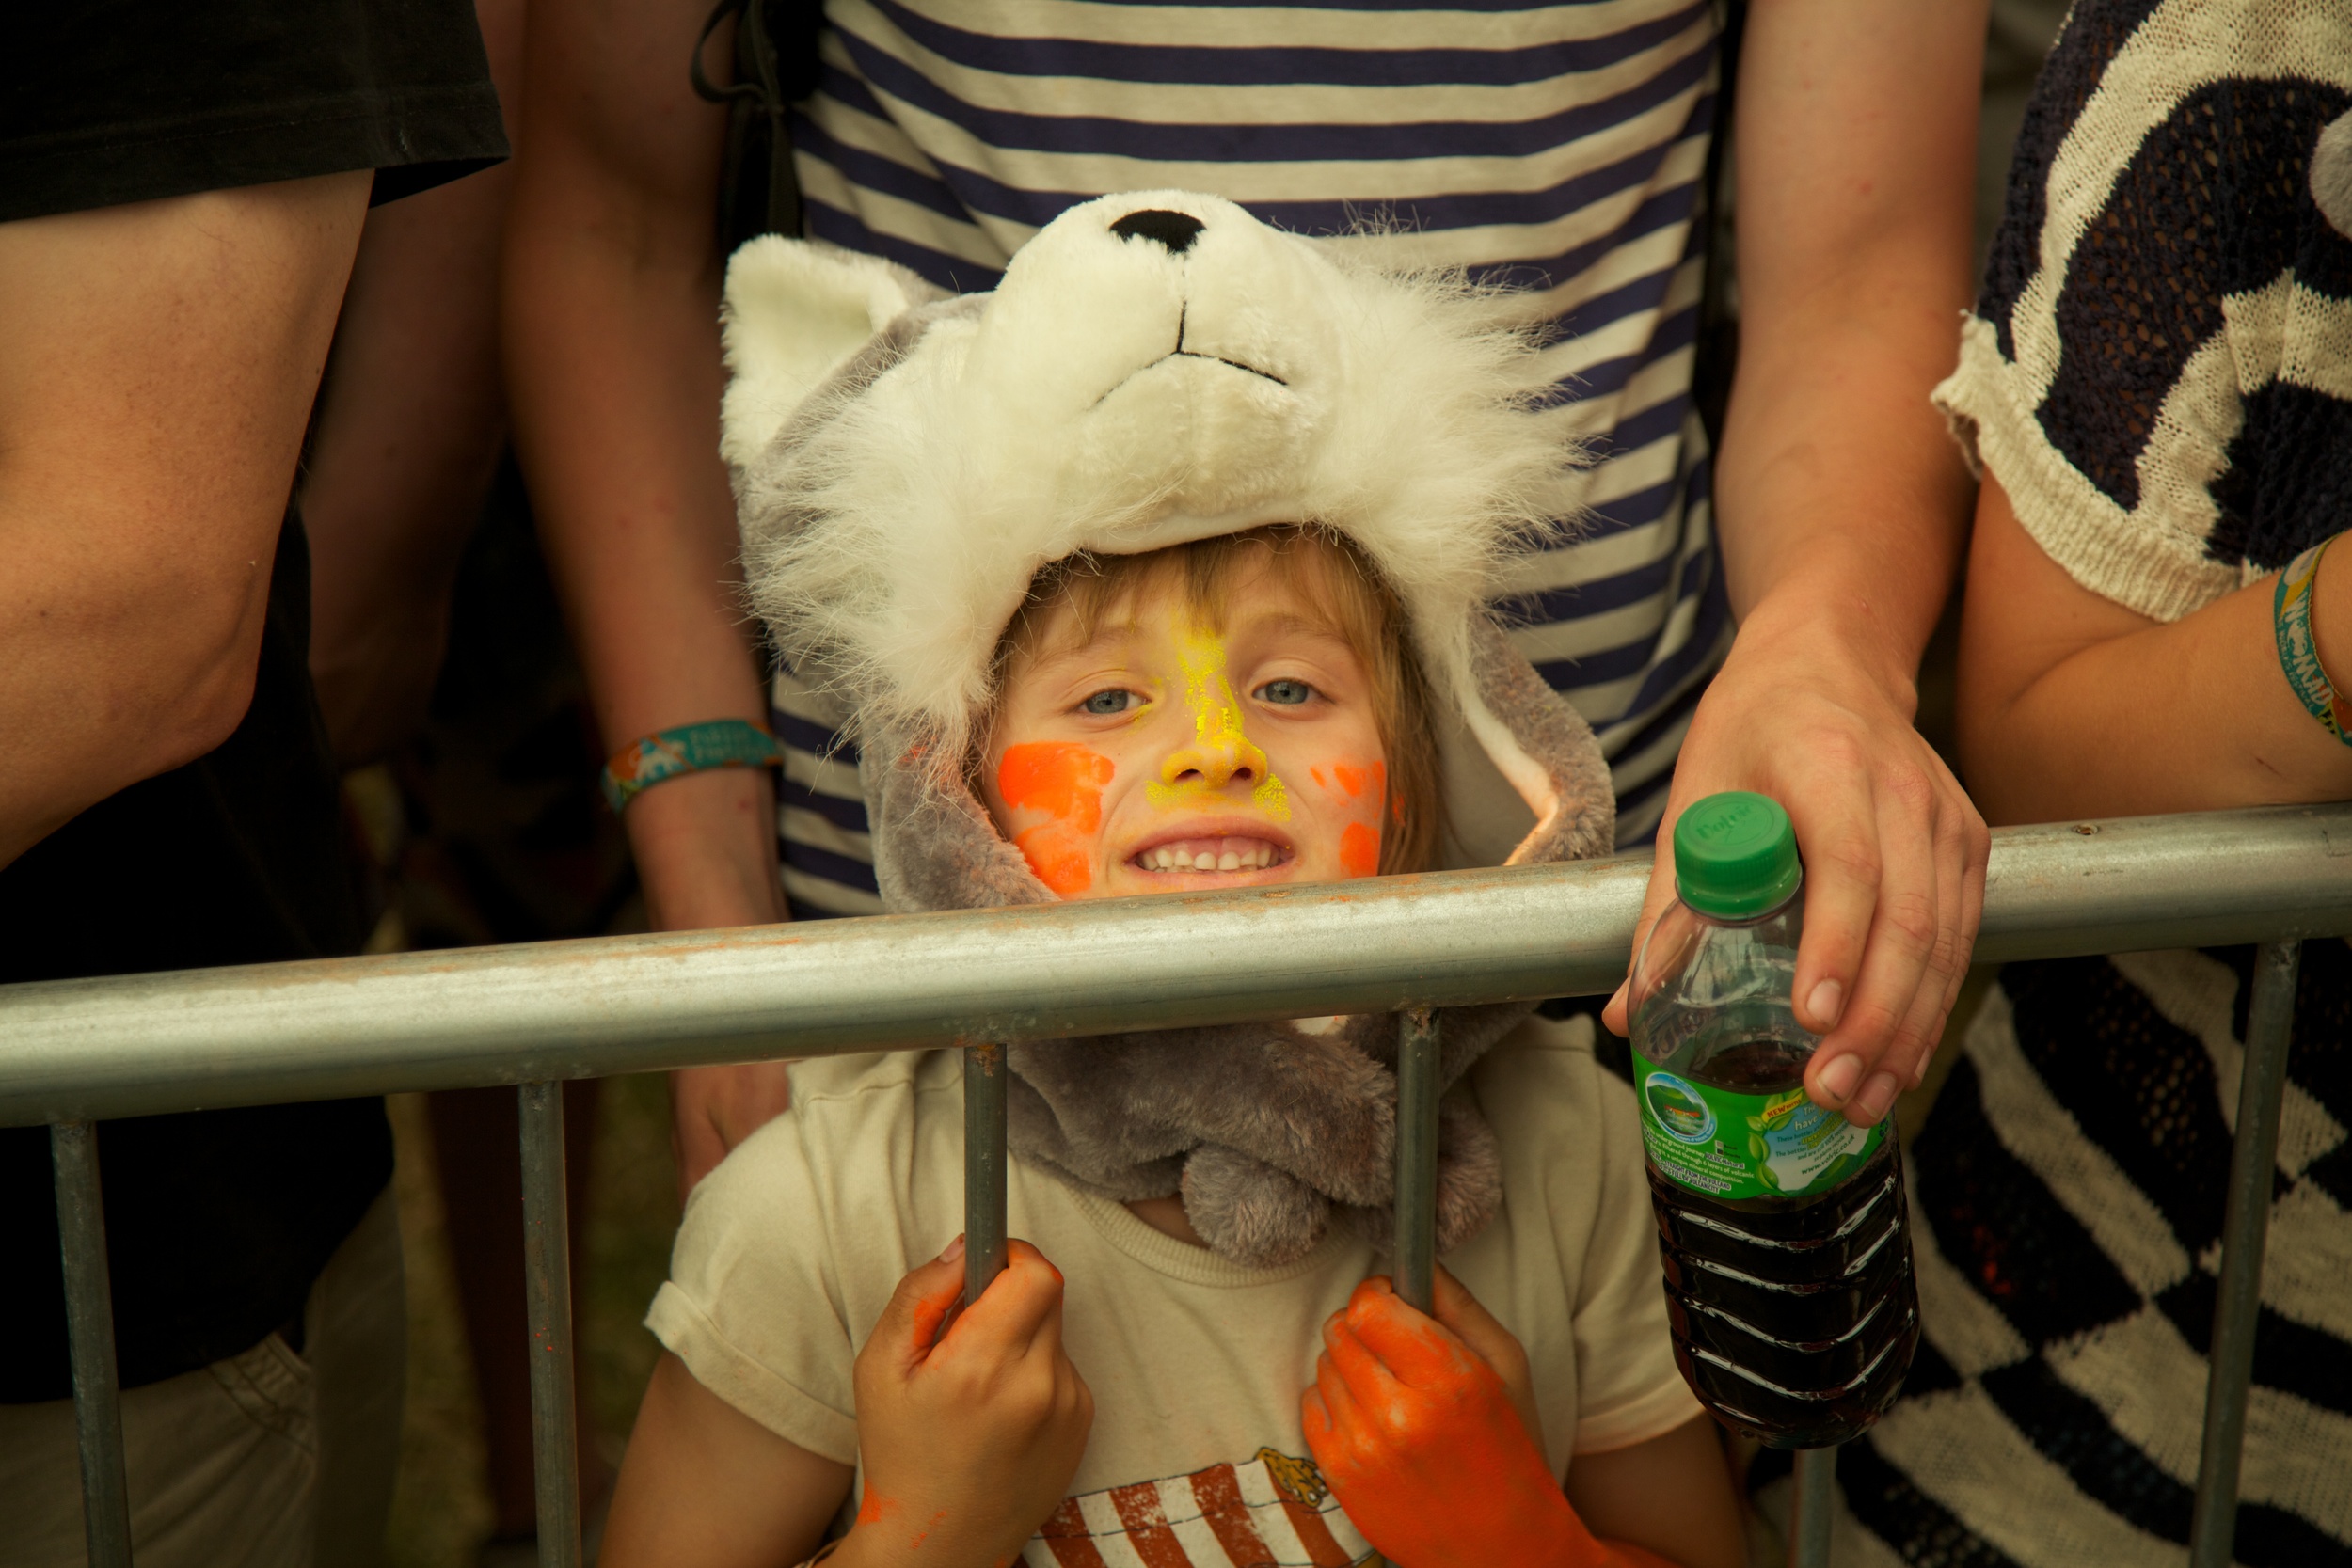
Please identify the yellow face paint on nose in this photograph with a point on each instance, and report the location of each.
(1221, 747)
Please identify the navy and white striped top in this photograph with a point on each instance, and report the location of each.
(1557, 147)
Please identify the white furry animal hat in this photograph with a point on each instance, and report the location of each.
(1154, 369)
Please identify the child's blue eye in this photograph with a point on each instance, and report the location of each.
(1287, 693)
(1110, 700)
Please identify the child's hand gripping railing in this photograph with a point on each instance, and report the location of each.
(80, 1051)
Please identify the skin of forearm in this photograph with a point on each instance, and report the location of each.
(1841, 502)
(614, 373)
(2151, 716)
(410, 423)
(157, 362)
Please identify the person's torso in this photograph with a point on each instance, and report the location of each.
(1196, 1363)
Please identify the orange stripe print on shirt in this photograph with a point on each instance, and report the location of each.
(1273, 1512)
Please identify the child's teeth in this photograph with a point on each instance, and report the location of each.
(1221, 855)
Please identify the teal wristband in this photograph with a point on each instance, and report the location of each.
(2299, 650)
(688, 749)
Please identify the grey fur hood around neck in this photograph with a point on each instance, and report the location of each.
(1156, 369)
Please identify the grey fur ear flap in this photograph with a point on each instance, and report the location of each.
(1256, 1215)
(795, 312)
(1469, 1180)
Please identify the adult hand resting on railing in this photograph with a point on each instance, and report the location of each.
(611, 322)
(1841, 509)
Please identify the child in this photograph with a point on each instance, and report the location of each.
(1160, 569)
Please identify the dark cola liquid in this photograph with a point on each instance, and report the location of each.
(1794, 1319)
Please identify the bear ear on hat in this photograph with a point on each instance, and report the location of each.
(795, 312)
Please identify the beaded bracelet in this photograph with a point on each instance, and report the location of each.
(2299, 650)
(688, 749)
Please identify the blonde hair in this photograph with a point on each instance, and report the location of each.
(1335, 581)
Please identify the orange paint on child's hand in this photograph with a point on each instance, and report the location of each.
(1418, 1436)
(1359, 850)
(1064, 781)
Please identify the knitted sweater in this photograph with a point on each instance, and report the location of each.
(2159, 369)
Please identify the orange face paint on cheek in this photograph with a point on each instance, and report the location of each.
(1061, 858)
(1060, 777)
(1359, 850)
(1063, 781)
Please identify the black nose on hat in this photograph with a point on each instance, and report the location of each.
(1175, 230)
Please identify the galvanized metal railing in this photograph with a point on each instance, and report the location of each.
(79, 1051)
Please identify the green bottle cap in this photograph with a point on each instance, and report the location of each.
(1734, 855)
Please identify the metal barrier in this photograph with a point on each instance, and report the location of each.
(78, 1051)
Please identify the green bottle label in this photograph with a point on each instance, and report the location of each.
(1729, 1145)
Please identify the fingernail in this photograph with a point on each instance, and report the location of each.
(1824, 1001)
(1877, 1095)
(1839, 1079)
(955, 1250)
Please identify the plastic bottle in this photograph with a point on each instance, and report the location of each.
(1783, 1226)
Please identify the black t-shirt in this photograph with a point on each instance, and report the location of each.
(216, 1223)
(105, 102)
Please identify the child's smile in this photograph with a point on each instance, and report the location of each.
(1160, 755)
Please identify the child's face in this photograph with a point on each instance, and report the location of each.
(1162, 757)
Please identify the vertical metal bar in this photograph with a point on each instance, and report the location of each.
(983, 1167)
(1417, 1158)
(89, 1316)
(2237, 1304)
(1810, 1484)
(548, 1284)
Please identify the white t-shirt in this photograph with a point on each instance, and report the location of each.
(790, 1249)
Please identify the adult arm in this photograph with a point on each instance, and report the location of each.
(2073, 705)
(410, 423)
(610, 322)
(1842, 505)
(157, 364)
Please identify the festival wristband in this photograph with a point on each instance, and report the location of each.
(2298, 649)
(688, 749)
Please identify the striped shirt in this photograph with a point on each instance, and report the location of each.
(1557, 148)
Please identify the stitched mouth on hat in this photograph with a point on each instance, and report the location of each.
(1181, 352)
